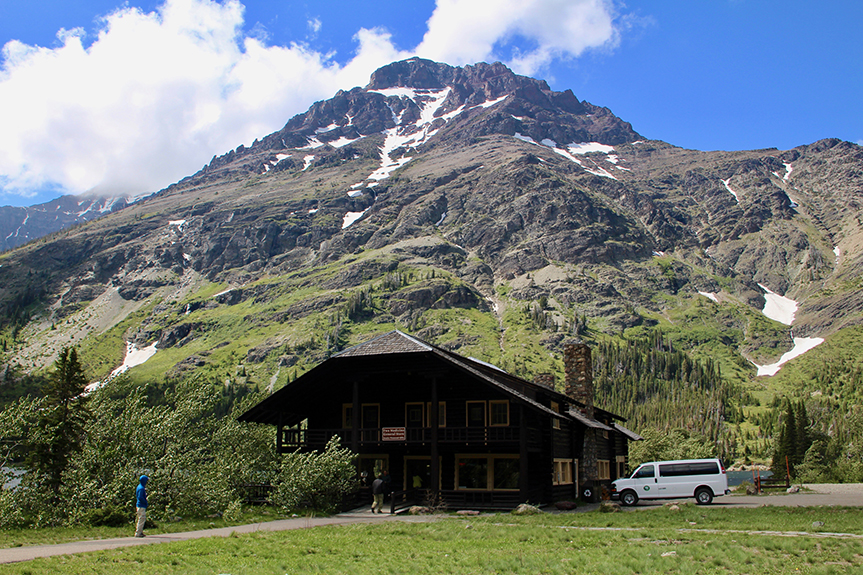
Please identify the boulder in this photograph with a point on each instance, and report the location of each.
(609, 507)
(526, 509)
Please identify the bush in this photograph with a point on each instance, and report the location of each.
(109, 517)
(319, 479)
(233, 512)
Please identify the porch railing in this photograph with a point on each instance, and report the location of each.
(315, 438)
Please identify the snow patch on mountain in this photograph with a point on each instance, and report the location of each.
(326, 129)
(783, 310)
(589, 148)
(134, 357)
(307, 161)
(342, 142)
(352, 217)
(778, 308)
(801, 346)
(710, 296)
(732, 192)
(579, 149)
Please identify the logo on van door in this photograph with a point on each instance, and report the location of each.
(647, 487)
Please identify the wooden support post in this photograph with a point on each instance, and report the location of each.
(279, 434)
(355, 418)
(434, 415)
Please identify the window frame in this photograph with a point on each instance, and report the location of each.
(603, 469)
(441, 414)
(493, 402)
(421, 405)
(563, 473)
(489, 459)
(467, 412)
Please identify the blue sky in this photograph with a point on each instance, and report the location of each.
(99, 95)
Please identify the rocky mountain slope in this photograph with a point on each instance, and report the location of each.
(21, 225)
(476, 208)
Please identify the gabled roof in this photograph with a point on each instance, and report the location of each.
(630, 434)
(588, 422)
(397, 343)
(390, 342)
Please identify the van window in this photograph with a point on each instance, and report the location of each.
(643, 471)
(681, 469)
(673, 470)
(704, 468)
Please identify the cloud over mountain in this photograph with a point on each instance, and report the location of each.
(154, 95)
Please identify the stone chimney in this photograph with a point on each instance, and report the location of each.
(544, 379)
(579, 375)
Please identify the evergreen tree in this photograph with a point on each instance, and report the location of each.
(62, 422)
(785, 450)
(802, 436)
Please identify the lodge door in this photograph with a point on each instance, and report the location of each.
(417, 473)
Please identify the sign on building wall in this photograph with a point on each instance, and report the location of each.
(393, 433)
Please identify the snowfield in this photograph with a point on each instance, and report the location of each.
(777, 307)
(801, 346)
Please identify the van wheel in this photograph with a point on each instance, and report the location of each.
(628, 498)
(703, 496)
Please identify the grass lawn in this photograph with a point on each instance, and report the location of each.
(49, 536)
(692, 540)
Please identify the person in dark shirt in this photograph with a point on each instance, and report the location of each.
(378, 486)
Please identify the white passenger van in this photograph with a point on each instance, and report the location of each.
(703, 479)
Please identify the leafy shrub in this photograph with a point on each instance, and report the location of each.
(319, 479)
(233, 512)
(110, 516)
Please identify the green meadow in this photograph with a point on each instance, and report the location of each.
(692, 540)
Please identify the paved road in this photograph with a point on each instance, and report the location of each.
(834, 495)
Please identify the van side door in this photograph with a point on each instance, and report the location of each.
(644, 481)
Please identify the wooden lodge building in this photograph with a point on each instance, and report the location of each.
(458, 428)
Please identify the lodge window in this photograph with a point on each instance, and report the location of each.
(555, 407)
(487, 472)
(347, 416)
(441, 413)
(498, 410)
(475, 414)
(621, 465)
(603, 433)
(414, 415)
(562, 472)
(370, 415)
(603, 469)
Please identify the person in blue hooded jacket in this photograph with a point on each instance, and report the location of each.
(141, 505)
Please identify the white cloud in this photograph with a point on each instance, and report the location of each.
(314, 25)
(155, 95)
(467, 31)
